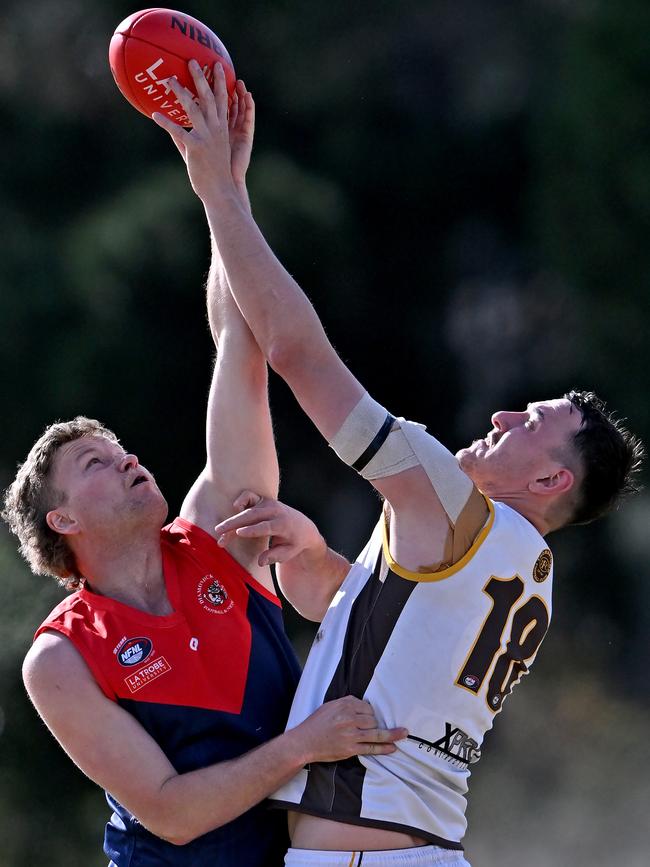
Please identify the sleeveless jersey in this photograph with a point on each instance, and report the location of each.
(437, 653)
(209, 682)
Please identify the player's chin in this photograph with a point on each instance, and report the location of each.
(467, 455)
(468, 460)
(148, 497)
(155, 511)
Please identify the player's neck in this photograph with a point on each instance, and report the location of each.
(131, 572)
(528, 508)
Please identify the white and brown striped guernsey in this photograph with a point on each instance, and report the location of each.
(436, 652)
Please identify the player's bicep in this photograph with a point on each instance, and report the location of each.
(240, 448)
(381, 448)
(101, 738)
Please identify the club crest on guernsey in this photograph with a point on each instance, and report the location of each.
(212, 595)
(542, 567)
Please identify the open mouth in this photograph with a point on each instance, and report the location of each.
(139, 480)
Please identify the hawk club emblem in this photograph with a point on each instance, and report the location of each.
(542, 567)
(212, 595)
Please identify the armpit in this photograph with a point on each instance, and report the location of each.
(461, 536)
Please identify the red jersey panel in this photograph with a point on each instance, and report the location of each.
(135, 655)
(209, 682)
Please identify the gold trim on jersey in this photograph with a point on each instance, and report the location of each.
(441, 573)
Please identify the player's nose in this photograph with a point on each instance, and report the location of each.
(503, 420)
(128, 462)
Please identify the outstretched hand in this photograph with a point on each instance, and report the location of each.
(217, 149)
(290, 532)
(344, 728)
(241, 126)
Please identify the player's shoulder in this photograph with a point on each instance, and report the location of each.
(71, 602)
(182, 538)
(514, 533)
(186, 542)
(51, 658)
(187, 534)
(509, 519)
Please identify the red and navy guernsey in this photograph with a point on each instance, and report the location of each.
(209, 682)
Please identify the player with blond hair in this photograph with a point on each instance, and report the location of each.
(166, 675)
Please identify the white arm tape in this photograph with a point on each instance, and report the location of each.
(367, 442)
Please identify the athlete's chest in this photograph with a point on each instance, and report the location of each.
(474, 632)
(198, 656)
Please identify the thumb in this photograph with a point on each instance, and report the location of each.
(277, 554)
(176, 132)
(246, 500)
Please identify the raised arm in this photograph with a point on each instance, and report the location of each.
(291, 336)
(239, 436)
(284, 322)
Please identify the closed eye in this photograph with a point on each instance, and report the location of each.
(534, 422)
(536, 417)
(92, 461)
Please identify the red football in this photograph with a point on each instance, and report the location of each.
(154, 45)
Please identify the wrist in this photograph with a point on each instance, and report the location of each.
(242, 192)
(221, 197)
(316, 551)
(298, 750)
(220, 209)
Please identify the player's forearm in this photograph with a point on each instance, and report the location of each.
(222, 311)
(194, 803)
(278, 312)
(310, 580)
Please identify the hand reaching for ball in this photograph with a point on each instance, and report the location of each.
(217, 148)
(241, 124)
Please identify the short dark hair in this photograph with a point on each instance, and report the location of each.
(31, 496)
(610, 457)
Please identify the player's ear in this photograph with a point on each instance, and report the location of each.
(61, 522)
(559, 482)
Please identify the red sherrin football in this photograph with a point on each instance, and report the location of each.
(153, 45)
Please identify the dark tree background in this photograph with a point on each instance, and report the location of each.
(463, 189)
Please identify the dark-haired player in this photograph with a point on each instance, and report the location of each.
(445, 609)
(167, 676)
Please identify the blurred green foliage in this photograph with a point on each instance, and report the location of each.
(463, 190)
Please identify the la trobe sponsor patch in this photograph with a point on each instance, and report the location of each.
(147, 673)
(212, 595)
(542, 567)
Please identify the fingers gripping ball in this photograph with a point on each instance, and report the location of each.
(152, 46)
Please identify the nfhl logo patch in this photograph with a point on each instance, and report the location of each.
(134, 651)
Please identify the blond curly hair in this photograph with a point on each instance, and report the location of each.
(32, 495)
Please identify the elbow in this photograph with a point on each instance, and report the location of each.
(179, 839)
(174, 824)
(285, 356)
(175, 833)
(295, 359)
(312, 606)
